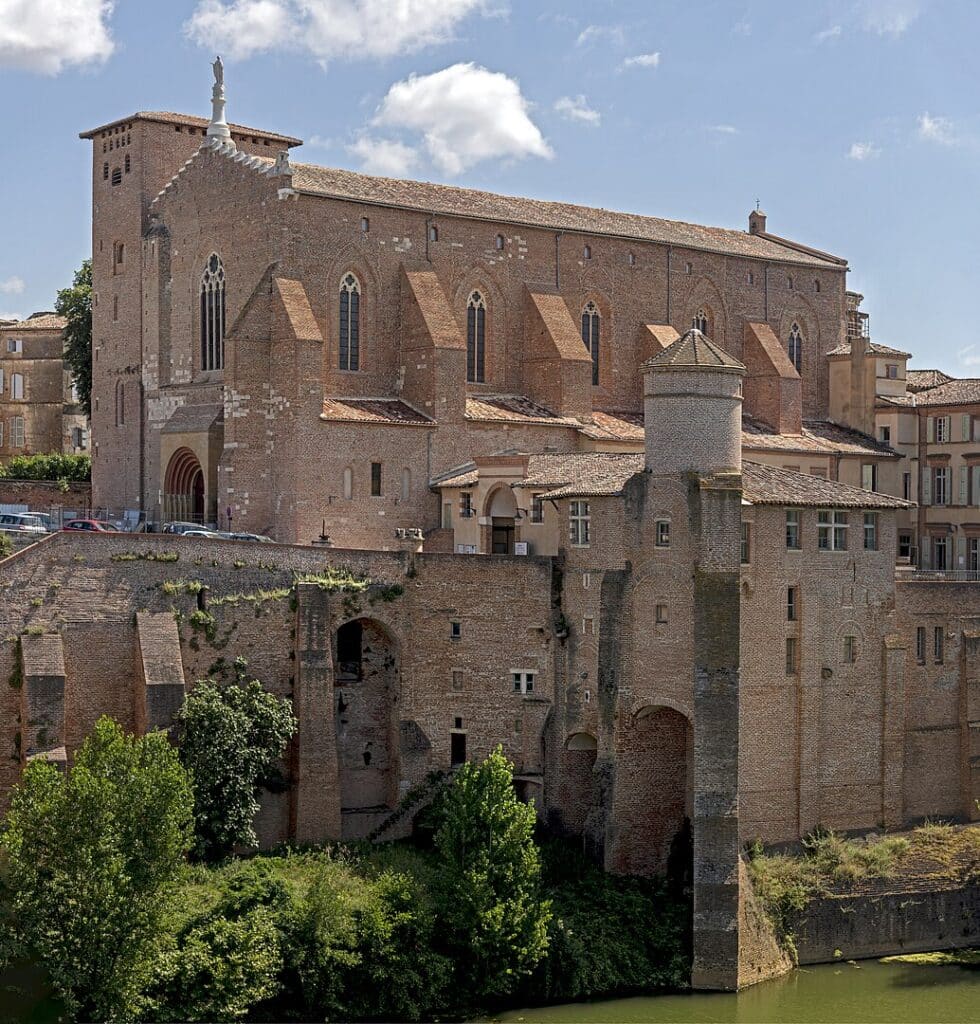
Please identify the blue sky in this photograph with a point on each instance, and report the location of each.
(854, 122)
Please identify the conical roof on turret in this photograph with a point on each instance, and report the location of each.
(694, 350)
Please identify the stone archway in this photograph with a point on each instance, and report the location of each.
(575, 792)
(654, 790)
(183, 488)
(366, 685)
(501, 511)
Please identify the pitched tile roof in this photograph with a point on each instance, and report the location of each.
(168, 117)
(472, 203)
(921, 380)
(693, 349)
(193, 419)
(297, 307)
(614, 426)
(767, 485)
(38, 322)
(819, 437)
(391, 411)
(965, 391)
(873, 347)
(514, 409)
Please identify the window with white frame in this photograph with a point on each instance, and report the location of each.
(17, 386)
(885, 435)
(940, 485)
(15, 345)
(870, 531)
(793, 529)
(662, 534)
(17, 432)
(942, 430)
(537, 509)
(891, 371)
(578, 523)
(792, 604)
(831, 530)
(869, 476)
(523, 681)
(466, 509)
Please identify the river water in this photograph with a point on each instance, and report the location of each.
(868, 992)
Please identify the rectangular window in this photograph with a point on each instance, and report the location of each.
(869, 476)
(457, 679)
(907, 486)
(940, 485)
(455, 630)
(457, 748)
(447, 515)
(17, 432)
(891, 371)
(1, 433)
(938, 636)
(886, 435)
(793, 529)
(940, 553)
(588, 626)
(466, 505)
(15, 345)
(792, 604)
(661, 615)
(662, 536)
(375, 479)
(905, 545)
(870, 531)
(974, 548)
(849, 653)
(791, 656)
(537, 509)
(523, 682)
(17, 386)
(746, 556)
(920, 644)
(578, 523)
(942, 430)
(832, 530)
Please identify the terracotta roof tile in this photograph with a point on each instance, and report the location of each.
(767, 485)
(873, 347)
(693, 349)
(373, 410)
(514, 408)
(192, 419)
(965, 391)
(920, 380)
(169, 117)
(614, 426)
(462, 202)
(39, 322)
(819, 437)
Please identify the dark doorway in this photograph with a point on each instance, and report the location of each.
(349, 638)
(502, 536)
(457, 748)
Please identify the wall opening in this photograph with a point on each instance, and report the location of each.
(183, 488)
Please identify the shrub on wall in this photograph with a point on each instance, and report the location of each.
(73, 468)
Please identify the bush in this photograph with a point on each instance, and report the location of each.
(48, 467)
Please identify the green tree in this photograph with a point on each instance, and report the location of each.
(89, 862)
(231, 739)
(495, 921)
(75, 305)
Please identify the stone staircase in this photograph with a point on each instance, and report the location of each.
(417, 798)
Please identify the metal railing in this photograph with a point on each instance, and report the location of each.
(941, 575)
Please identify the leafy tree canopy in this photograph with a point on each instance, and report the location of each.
(231, 739)
(53, 466)
(89, 861)
(75, 305)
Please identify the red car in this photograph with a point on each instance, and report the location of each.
(87, 526)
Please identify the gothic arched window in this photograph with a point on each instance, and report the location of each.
(795, 347)
(350, 323)
(700, 321)
(590, 336)
(213, 314)
(476, 339)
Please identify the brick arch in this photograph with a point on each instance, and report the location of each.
(799, 310)
(607, 322)
(706, 294)
(498, 327)
(184, 487)
(350, 262)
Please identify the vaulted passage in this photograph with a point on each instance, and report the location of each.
(183, 488)
(365, 692)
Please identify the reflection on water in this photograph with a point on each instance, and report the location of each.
(864, 993)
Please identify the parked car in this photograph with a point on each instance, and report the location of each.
(87, 526)
(257, 537)
(180, 527)
(199, 531)
(22, 522)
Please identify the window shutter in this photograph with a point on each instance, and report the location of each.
(964, 485)
(925, 553)
(930, 429)
(976, 485)
(961, 552)
(965, 426)
(926, 487)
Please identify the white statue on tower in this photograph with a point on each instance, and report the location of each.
(218, 128)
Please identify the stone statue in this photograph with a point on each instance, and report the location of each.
(219, 72)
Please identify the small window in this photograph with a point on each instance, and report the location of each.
(105, 172)
(700, 321)
(920, 644)
(793, 529)
(455, 630)
(17, 432)
(631, 259)
(17, 386)
(816, 287)
(457, 679)
(942, 429)
(792, 604)
(365, 224)
(891, 370)
(523, 682)
(499, 242)
(348, 483)
(588, 626)
(587, 252)
(126, 163)
(746, 555)
(466, 509)
(849, 650)
(831, 530)
(661, 614)
(375, 479)
(870, 531)
(15, 345)
(457, 748)
(750, 277)
(578, 523)
(433, 233)
(537, 509)
(117, 176)
(791, 656)
(907, 486)
(688, 268)
(586, 580)
(118, 257)
(938, 637)
(115, 308)
(662, 535)
(869, 476)
(905, 545)
(789, 283)
(885, 435)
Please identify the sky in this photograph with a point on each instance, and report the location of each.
(854, 123)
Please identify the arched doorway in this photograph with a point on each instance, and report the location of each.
(366, 685)
(575, 793)
(183, 488)
(502, 513)
(654, 794)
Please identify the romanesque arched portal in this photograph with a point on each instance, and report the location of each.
(183, 487)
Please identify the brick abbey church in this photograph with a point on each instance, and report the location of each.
(616, 484)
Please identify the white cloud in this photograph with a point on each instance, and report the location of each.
(593, 33)
(11, 316)
(387, 157)
(13, 285)
(723, 129)
(937, 129)
(55, 34)
(888, 17)
(577, 109)
(465, 114)
(643, 60)
(863, 151)
(834, 32)
(742, 28)
(329, 29)
(969, 357)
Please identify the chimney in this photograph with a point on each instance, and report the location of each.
(757, 222)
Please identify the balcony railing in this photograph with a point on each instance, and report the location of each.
(940, 575)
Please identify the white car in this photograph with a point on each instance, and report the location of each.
(22, 522)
